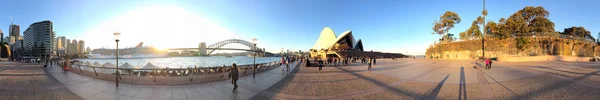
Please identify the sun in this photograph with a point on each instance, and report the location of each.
(162, 27)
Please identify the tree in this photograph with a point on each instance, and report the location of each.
(447, 38)
(522, 43)
(463, 36)
(445, 23)
(529, 20)
(578, 31)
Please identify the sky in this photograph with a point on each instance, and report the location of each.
(397, 26)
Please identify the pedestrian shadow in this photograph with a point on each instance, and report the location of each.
(554, 86)
(384, 85)
(462, 90)
(437, 89)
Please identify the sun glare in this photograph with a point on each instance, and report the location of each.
(162, 27)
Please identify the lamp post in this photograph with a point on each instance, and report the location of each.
(484, 13)
(254, 42)
(117, 57)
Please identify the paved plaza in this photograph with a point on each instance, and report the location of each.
(389, 79)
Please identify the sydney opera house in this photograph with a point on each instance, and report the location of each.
(345, 45)
(328, 44)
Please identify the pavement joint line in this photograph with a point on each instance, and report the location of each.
(348, 95)
(486, 90)
(559, 77)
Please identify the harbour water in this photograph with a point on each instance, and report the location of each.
(176, 62)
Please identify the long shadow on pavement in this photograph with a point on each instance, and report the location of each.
(381, 84)
(462, 90)
(437, 89)
(555, 86)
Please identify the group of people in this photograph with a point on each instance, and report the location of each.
(488, 63)
(234, 72)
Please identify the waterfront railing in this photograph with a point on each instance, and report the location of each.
(221, 72)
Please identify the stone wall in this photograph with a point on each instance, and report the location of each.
(536, 46)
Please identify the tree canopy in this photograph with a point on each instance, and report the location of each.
(473, 31)
(530, 20)
(445, 23)
(578, 31)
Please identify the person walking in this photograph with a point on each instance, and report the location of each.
(234, 74)
(335, 62)
(369, 62)
(487, 64)
(283, 62)
(320, 64)
(375, 61)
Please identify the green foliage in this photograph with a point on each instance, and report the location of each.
(529, 20)
(474, 32)
(447, 38)
(445, 23)
(522, 43)
(578, 31)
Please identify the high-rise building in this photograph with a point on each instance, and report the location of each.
(39, 39)
(81, 47)
(68, 47)
(61, 42)
(54, 45)
(1, 36)
(11, 40)
(14, 30)
(74, 47)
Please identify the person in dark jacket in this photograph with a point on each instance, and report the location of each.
(320, 62)
(234, 74)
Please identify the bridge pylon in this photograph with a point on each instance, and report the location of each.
(202, 49)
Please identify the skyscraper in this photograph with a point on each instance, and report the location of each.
(68, 47)
(81, 47)
(14, 30)
(74, 47)
(38, 39)
(1, 36)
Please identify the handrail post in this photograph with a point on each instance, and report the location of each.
(222, 71)
(95, 70)
(191, 74)
(80, 68)
(154, 75)
(119, 74)
(246, 69)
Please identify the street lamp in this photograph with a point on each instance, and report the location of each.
(254, 42)
(117, 57)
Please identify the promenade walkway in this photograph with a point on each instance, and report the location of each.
(25, 81)
(95, 89)
(441, 79)
(389, 79)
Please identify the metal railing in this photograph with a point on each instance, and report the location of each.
(181, 71)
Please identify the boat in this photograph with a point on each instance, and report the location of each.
(138, 51)
(229, 56)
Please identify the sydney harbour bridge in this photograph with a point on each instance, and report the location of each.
(204, 50)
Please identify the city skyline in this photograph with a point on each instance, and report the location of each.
(406, 24)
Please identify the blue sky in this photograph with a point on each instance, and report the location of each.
(389, 26)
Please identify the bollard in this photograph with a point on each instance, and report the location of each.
(95, 71)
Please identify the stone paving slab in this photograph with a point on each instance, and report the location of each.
(27, 81)
(96, 89)
(442, 79)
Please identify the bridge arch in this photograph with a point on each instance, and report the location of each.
(229, 41)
